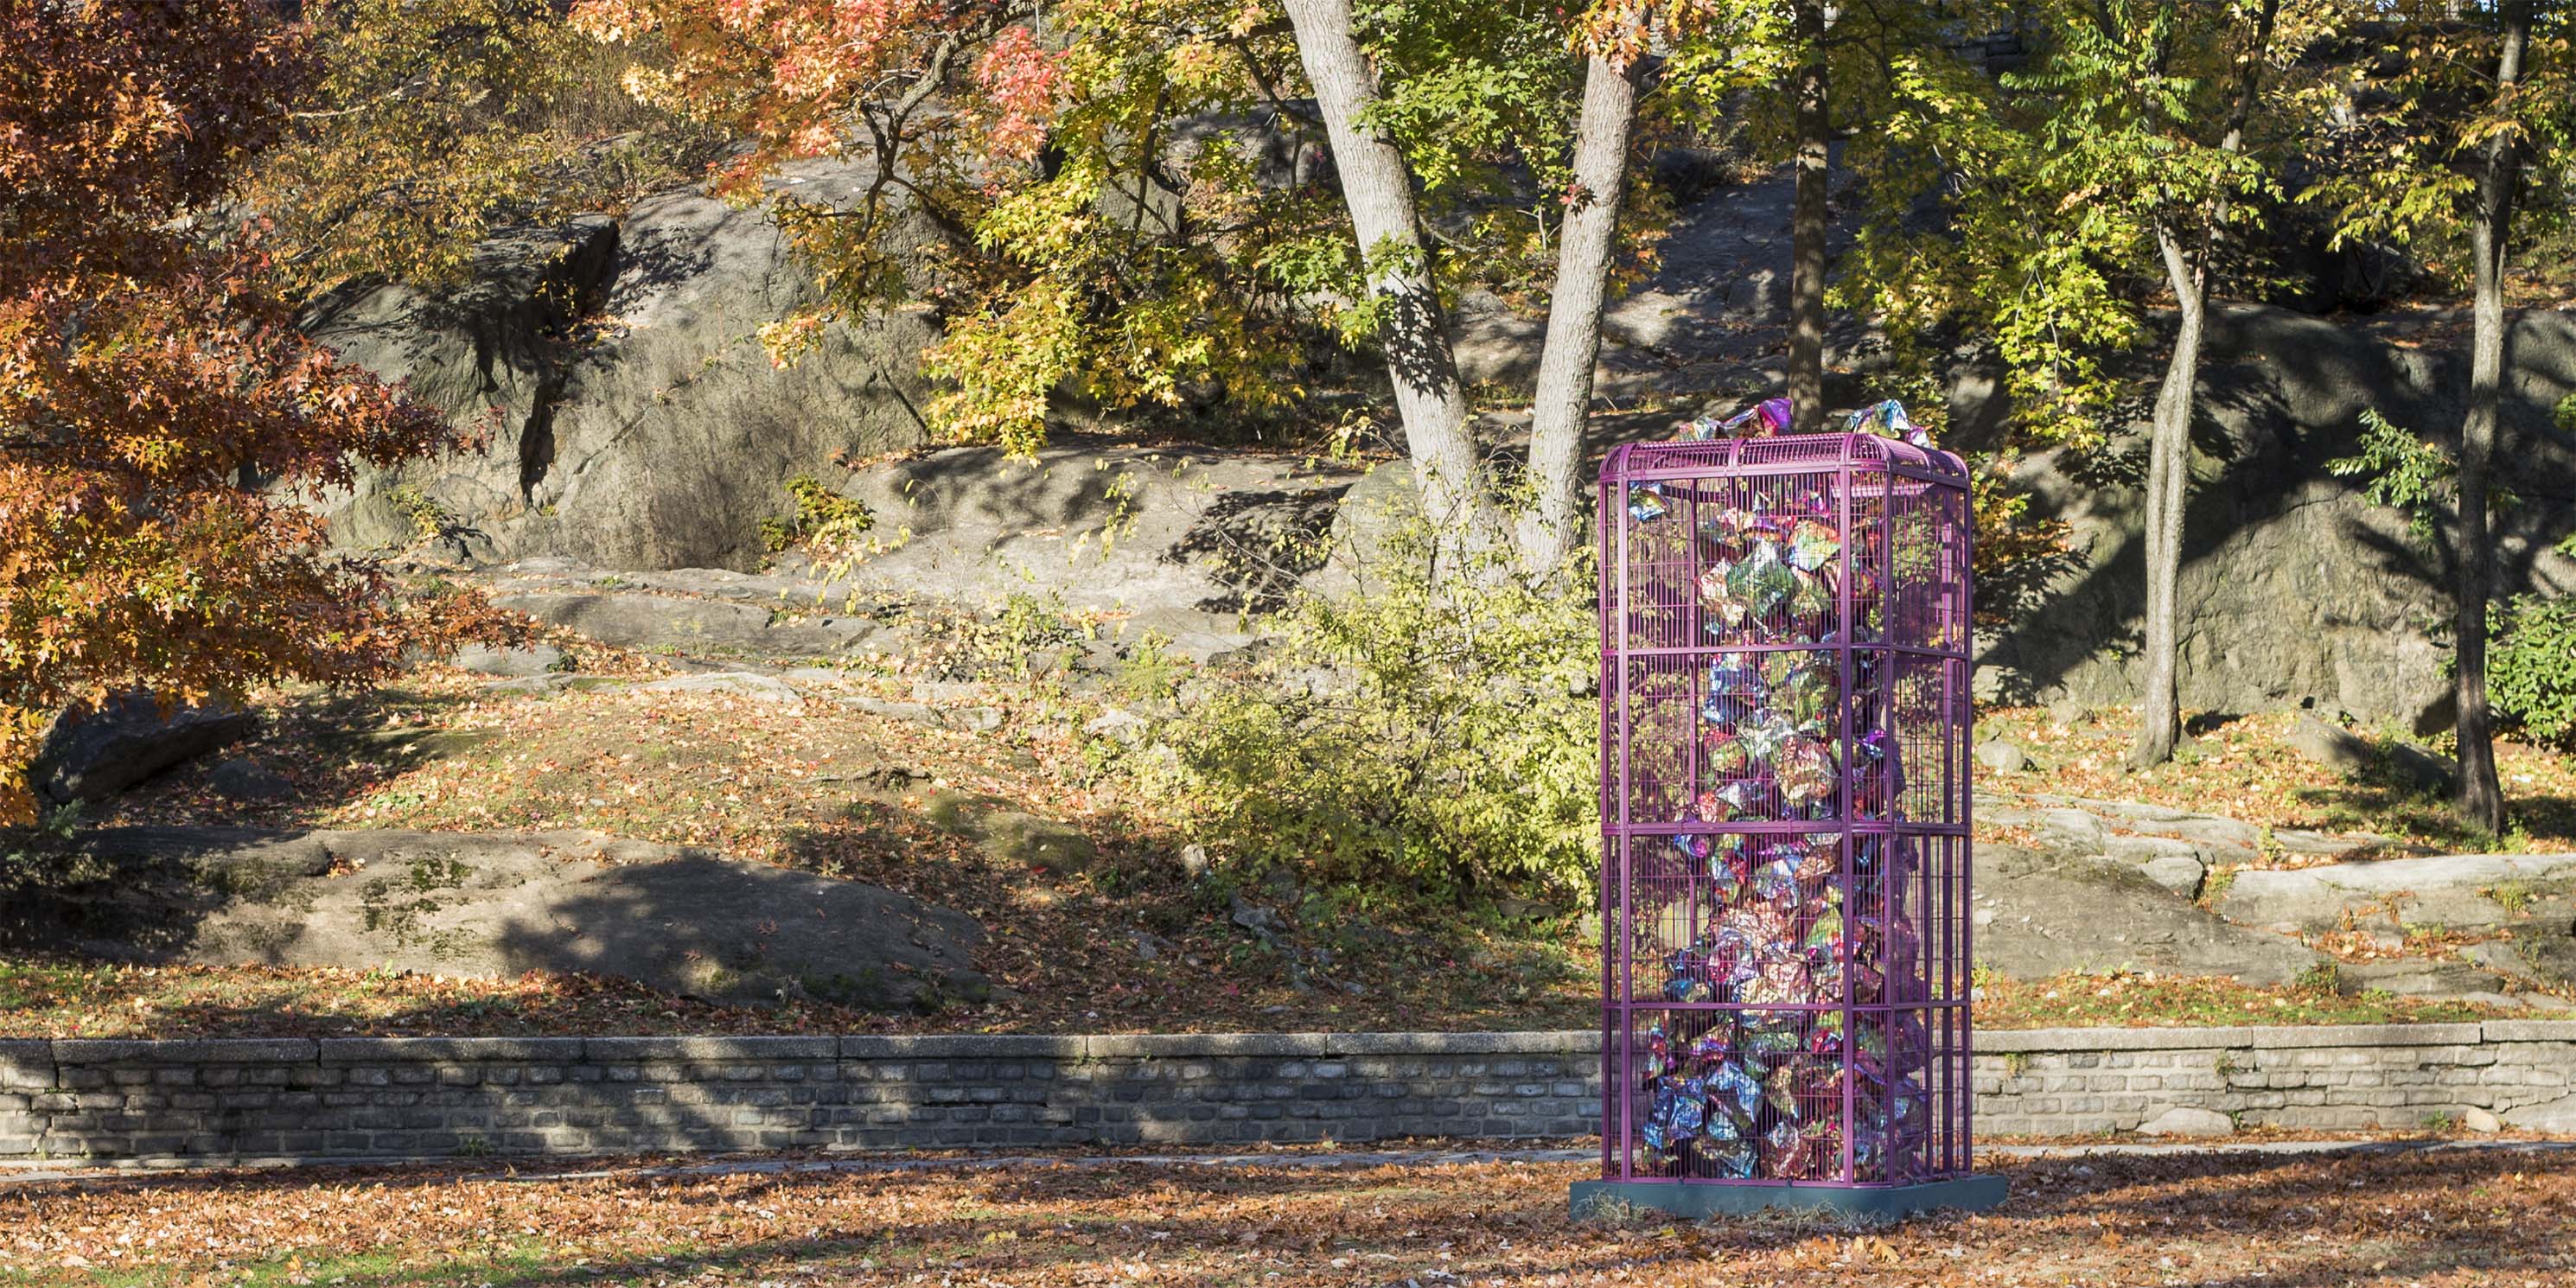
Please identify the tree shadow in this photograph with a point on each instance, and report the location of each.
(1260, 545)
(336, 749)
(2279, 397)
(2251, 1195)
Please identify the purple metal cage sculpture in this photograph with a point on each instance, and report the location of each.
(1785, 717)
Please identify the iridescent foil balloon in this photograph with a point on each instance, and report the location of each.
(1804, 770)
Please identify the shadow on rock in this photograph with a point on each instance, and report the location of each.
(677, 919)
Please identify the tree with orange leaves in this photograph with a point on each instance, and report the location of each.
(159, 412)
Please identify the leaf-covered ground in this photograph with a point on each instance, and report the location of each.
(2448, 1218)
(823, 787)
(91, 1000)
(2244, 767)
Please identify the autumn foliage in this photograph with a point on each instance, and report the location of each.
(811, 78)
(159, 412)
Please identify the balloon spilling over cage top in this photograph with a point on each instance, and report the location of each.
(1785, 718)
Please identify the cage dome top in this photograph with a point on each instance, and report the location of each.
(1783, 452)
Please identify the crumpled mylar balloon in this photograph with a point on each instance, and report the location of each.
(1733, 1158)
(1781, 981)
(1761, 583)
(1888, 420)
(1722, 753)
(1779, 1146)
(1733, 801)
(1672, 1118)
(1820, 858)
(1776, 880)
(1815, 1155)
(1684, 980)
(1813, 544)
(1765, 734)
(1658, 1053)
(1739, 1092)
(1805, 772)
(1724, 609)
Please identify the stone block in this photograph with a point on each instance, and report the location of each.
(128, 1052)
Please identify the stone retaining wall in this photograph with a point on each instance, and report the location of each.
(387, 1097)
(2323, 1077)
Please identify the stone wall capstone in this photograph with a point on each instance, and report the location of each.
(106, 1100)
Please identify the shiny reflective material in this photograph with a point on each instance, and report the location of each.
(1785, 635)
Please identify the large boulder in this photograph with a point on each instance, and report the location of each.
(2294, 586)
(2534, 891)
(2354, 756)
(1183, 538)
(689, 624)
(634, 419)
(94, 754)
(2037, 914)
(678, 919)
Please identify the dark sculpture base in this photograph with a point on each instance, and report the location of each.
(1881, 1202)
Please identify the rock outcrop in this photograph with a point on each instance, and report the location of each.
(2294, 585)
(639, 426)
(634, 419)
(92, 755)
(2536, 892)
(678, 919)
(2104, 885)
(2038, 914)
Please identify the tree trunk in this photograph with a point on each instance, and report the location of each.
(2481, 797)
(2168, 490)
(1807, 222)
(2169, 441)
(1378, 189)
(1584, 247)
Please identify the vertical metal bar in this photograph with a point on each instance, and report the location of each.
(1963, 634)
(1845, 632)
(1620, 983)
(1613, 1060)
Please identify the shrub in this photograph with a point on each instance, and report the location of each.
(1418, 734)
(826, 521)
(2531, 666)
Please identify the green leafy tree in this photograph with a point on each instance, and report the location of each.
(2480, 110)
(2134, 146)
(1369, 81)
(1114, 217)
